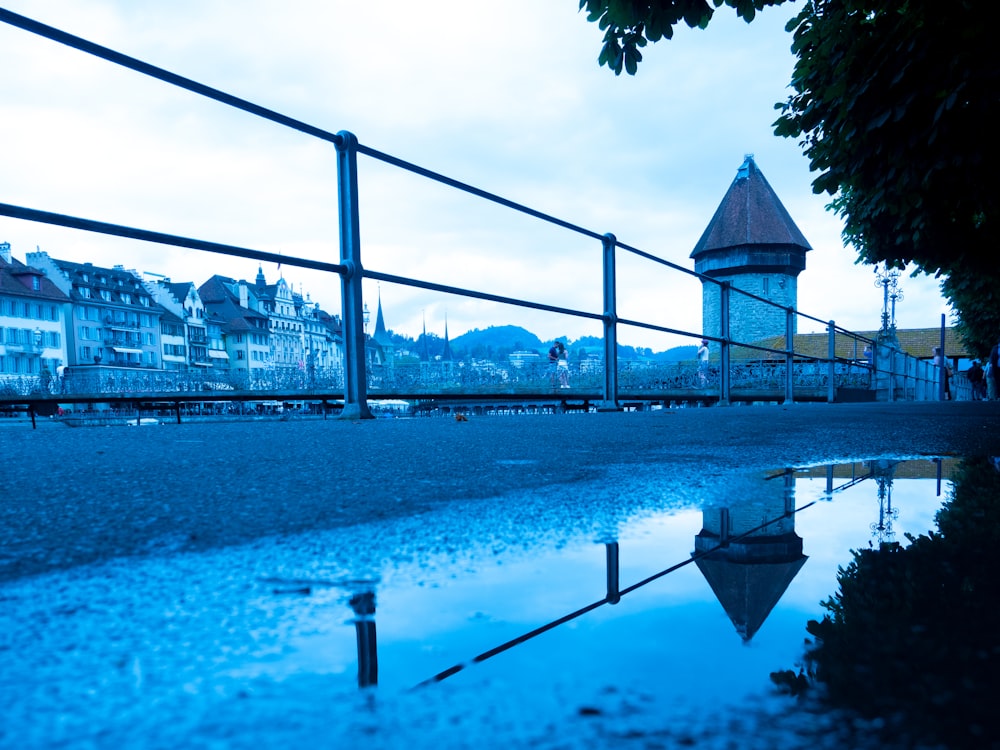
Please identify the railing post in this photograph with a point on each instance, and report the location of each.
(611, 556)
(789, 355)
(609, 242)
(831, 391)
(906, 379)
(892, 373)
(724, 374)
(942, 370)
(355, 366)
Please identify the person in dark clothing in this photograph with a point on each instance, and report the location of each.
(993, 376)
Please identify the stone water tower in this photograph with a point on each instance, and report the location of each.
(752, 243)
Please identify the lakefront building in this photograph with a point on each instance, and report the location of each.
(114, 321)
(234, 310)
(32, 321)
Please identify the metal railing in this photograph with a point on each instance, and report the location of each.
(782, 366)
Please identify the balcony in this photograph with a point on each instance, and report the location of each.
(121, 324)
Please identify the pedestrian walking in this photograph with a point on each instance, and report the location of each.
(940, 361)
(562, 364)
(703, 362)
(554, 363)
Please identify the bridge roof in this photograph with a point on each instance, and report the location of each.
(750, 214)
(917, 342)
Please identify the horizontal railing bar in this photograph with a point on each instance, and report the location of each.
(160, 238)
(405, 281)
(660, 329)
(811, 317)
(437, 177)
(665, 329)
(664, 262)
(56, 35)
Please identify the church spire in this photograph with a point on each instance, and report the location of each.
(446, 356)
(425, 355)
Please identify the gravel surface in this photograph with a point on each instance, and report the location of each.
(78, 495)
(138, 609)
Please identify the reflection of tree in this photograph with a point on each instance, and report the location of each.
(912, 634)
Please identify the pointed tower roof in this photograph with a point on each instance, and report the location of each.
(446, 356)
(381, 334)
(748, 578)
(260, 281)
(751, 230)
(425, 354)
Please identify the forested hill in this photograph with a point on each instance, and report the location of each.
(496, 342)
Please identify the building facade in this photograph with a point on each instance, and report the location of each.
(114, 321)
(33, 314)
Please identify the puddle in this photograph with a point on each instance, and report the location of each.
(656, 624)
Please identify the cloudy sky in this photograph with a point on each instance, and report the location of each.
(507, 97)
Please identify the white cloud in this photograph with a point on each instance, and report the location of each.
(507, 98)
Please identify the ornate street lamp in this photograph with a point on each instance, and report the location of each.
(882, 529)
(888, 279)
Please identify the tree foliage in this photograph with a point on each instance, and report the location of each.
(893, 104)
(629, 24)
(911, 634)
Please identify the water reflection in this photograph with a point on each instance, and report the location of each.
(910, 636)
(648, 618)
(749, 552)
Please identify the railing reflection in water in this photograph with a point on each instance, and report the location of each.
(747, 551)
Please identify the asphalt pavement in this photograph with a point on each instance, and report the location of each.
(71, 496)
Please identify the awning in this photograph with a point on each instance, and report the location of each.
(202, 364)
(216, 354)
(123, 350)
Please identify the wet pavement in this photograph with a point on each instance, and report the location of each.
(235, 584)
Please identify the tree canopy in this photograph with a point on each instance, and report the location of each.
(892, 102)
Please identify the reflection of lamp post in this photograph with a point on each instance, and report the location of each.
(367, 318)
(882, 530)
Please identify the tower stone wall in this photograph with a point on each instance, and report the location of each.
(752, 243)
(750, 319)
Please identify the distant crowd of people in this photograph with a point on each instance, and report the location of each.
(985, 378)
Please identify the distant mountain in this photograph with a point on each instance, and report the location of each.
(677, 354)
(496, 342)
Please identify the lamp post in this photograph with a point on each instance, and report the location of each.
(888, 279)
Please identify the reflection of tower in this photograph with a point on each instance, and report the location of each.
(363, 604)
(752, 243)
(883, 472)
(751, 554)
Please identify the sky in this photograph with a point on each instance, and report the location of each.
(505, 97)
